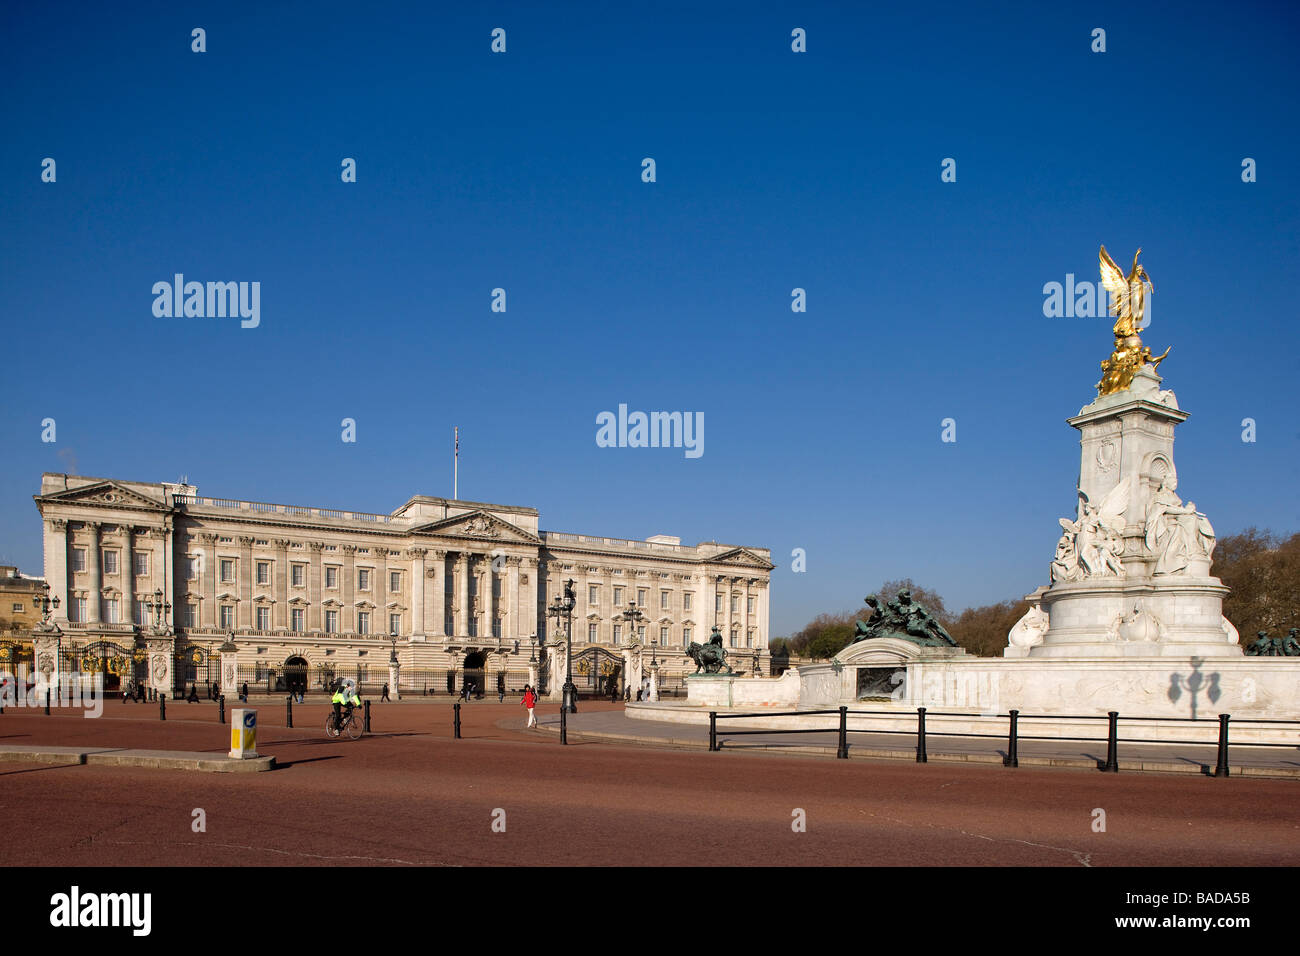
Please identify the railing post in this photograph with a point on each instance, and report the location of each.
(288, 711)
(162, 707)
(843, 752)
(1012, 759)
(367, 706)
(1112, 744)
(1222, 769)
(47, 700)
(564, 723)
(221, 708)
(713, 731)
(921, 755)
(455, 725)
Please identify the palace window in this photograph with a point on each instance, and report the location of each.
(593, 594)
(663, 636)
(331, 622)
(735, 604)
(591, 633)
(363, 622)
(665, 600)
(227, 570)
(749, 638)
(686, 600)
(191, 569)
(363, 579)
(394, 581)
(640, 634)
(641, 597)
(298, 574)
(686, 637)
(749, 605)
(717, 603)
(331, 577)
(618, 596)
(263, 572)
(141, 564)
(110, 610)
(78, 609)
(191, 616)
(296, 619)
(496, 587)
(110, 562)
(78, 559)
(227, 616)
(618, 633)
(496, 628)
(263, 618)
(141, 615)
(733, 639)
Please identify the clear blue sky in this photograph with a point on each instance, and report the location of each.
(775, 170)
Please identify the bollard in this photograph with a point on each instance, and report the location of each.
(921, 755)
(713, 731)
(47, 701)
(843, 752)
(1222, 769)
(564, 725)
(221, 709)
(288, 711)
(1012, 759)
(367, 726)
(456, 720)
(1112, 744)
(162, 706)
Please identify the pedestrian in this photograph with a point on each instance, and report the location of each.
(243, 692)
(194, 694)
(385, 697)
(530, 701)
(501, 690)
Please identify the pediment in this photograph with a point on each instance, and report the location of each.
(744, 557)
(478, 526)
(108, 493)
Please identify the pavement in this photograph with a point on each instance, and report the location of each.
(615, 726)
(408, 794)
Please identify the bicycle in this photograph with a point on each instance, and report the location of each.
(353, 725)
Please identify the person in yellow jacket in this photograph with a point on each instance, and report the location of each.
(344, 696)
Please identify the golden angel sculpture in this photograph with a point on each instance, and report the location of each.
(1128, 304)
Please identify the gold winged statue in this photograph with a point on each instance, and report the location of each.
(1128, 304)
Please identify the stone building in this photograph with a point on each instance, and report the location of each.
(167, 586)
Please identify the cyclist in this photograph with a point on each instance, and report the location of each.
(344, 696)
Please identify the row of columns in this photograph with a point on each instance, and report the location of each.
(63, 582)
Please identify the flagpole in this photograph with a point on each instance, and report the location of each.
(455, 480)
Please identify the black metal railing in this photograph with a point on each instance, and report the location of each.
(1013, 736)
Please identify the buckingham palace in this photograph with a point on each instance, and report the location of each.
(161, 586)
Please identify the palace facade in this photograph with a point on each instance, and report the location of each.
(155, 581)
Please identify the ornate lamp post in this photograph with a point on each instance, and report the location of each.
(394, 666)
(43, 603)
(159, 608)
(562, 609)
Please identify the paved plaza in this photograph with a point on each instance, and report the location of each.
(410, 794)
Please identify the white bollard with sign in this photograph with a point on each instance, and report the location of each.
(243, 733)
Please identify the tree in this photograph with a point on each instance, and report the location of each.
(983, 630)
(1263, 571)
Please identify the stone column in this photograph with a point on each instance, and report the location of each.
(513, 631)
(208, 610)
(379, 591)
(488, 604)
(462, 595)
(762, 618)
(56, 567)
(229, 669)
(280, 612)
(349, 623)
(96, 574)
(126, 609)
(417, 556)
(654, 682)
(394, 671)
(162, 651)
(556, 666)
(170, 587)
(437, 593)
(315, 591)
(46, 665)
(244, 583)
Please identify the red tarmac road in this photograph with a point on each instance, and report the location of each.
(410, 795)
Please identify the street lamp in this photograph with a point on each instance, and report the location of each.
(392, 639)
(43, 602)
(159, 607)
(532, 649)
(562, 609)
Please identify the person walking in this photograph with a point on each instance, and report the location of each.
(530, 701)
(385, 695)
(243, 692)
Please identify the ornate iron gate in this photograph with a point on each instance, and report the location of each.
(597, 672)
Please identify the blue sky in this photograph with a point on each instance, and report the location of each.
(775, 170)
